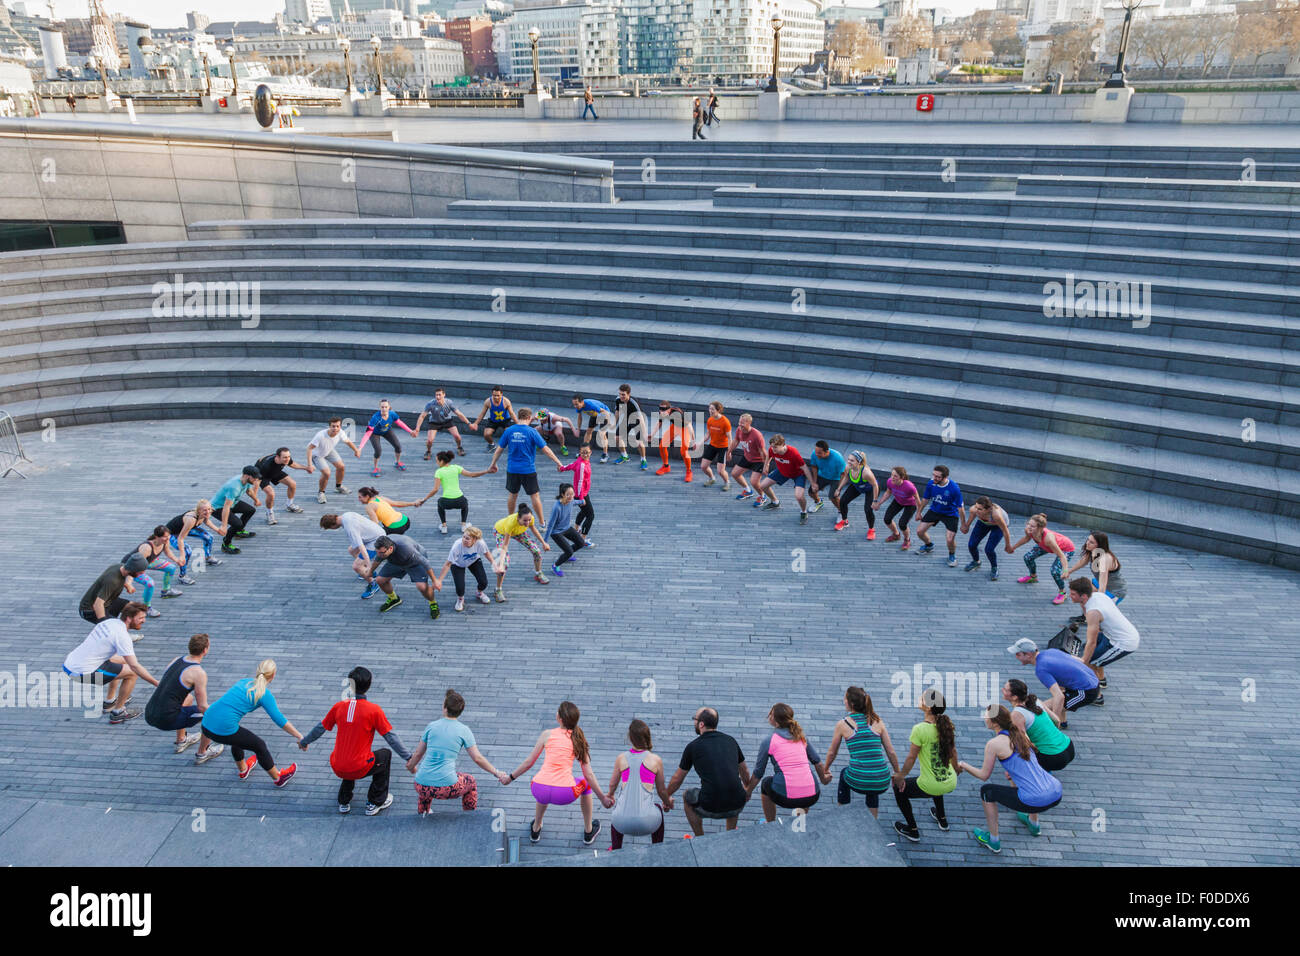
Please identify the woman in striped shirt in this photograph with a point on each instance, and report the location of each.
(871, 755)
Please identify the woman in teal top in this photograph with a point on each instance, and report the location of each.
(221, 722)
(1055, 749)
(871, 755)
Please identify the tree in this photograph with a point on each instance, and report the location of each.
(1073, 49)
(1254, 37)
(399, 64)
(857, 48)
(909, 34)
(1005, 40)
(1166, 42)
(1210, 37)
(975, 51)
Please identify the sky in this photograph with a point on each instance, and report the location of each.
(171, 13)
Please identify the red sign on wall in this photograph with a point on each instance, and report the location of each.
(222, 102)
(925, 102)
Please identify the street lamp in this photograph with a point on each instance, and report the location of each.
(1117, 79)
(533, 36)
(207, 76)
(345, 45)
(777, 23)
(375, 44)
(234, 80)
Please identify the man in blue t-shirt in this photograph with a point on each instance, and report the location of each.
(826, 465)
(599, 418)
(1071, 682)
(521, 442)
(234, 511)
(946, 508)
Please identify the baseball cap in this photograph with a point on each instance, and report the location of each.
(136, 564)
(1022, 646)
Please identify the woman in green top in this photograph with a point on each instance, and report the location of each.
(867, 740)
(934, 741)
(1055, 749)
(447, 480)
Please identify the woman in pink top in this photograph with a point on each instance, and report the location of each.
(905, 500)
(581, 468)
(555, 783)
(793, 784)
(635, 811)
(1045, 542)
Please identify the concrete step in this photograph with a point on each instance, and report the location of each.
(1169, 190)
(771, 176)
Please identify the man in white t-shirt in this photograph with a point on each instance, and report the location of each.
(321, 450)
(107, 656)
(362, 534)
(1110, 634)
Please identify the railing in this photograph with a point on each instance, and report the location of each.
(11, 447)
(437, 102)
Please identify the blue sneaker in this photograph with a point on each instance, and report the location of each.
(645, 465)
(744, 494)
(1034, 828)
(573, 559)
(371, 590)
(926, 548)
(971, 565)
(399, 466)
(556, 571)
(952, 560)
(590, 543)
(988, 840)
(993, 575)
(620, 459)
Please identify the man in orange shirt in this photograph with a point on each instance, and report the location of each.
(719, 442)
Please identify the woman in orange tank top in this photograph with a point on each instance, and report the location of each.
(555, 782)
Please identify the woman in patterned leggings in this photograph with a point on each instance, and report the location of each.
(518, 526)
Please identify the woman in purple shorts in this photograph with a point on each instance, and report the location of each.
(555, 783)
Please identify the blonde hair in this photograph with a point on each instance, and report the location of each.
(746, 419)
(1039, 519)
(265, 671)
(203, 503)
(473, 532)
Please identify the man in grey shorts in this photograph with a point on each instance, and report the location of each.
(321, 454)
(400, 557)
(724, 777)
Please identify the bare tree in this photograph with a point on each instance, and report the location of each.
(1211, 35)
(1254, 37)
(909, 34)
(857, 48)
(1166, 42)
(1074, 49)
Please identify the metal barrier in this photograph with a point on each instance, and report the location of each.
(11, 448)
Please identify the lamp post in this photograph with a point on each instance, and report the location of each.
(207, 76)
(234, 80)
(375, 44)
(1117, 79)
(777, 23)
(533, 36)
(345, 45)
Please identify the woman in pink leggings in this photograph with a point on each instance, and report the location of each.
(555, 782)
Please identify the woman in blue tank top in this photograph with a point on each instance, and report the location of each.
(1032, 789)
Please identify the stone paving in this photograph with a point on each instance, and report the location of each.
(689, 598)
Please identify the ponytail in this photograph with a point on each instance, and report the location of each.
(569, 714)
(935, 706)
(1002, 720)
(265, 671)
(860, 701)
(783, 716)
(1020, 691)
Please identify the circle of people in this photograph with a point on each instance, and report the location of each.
(1028, 739)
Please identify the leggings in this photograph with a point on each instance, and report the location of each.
(1031, 562)
(465, 787)
(910, 792)
(586, 515)
(204, 535)
(569, 540)
(241, 740)
(146, 582)
(894, 508)
(389, 437)
(1009, 797)
(476, 569)
(527, 542)
(978, 534)
(161, 563)
(846, 789)
(851, 492)
(461, 503)
(616, 838)
(240, 512)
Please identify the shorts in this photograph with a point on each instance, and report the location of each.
(714, 453)
(777, 795)
(319, 462)
(273, 478)
(692, 798)
(1009, 797)
(105, 672)
(557, 796)
(948, 521)
(1105, 652)
(1074, 699)
(418, 574)
(748, 464)
(775, 476)
(527, 482)
(183, 719)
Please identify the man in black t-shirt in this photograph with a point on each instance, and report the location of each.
(724, 777)
(629, 425)
(272, 469)
(104, 599)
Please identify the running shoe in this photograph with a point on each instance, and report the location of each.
(926, 548)
(187, 579)
(910, 833)
(214, 562)
(1059, 599)
(871, 534)
(645, 465)
(500, 596)
(1102, 682)
(345, 808)
(270, 518)
(483, 598)
(460, 450)
(993, 575)
(689, 477)
(293, 508)
(952, 560)
(590, 544)
(428, 453)
(154, 612)
(376, 472)
(817, 506)
(726, 485)
(540, 578)
(604, 459)
(1028, 579)
(215, 750)
(246, 767)
(392, 602)
(1099, 702)
(573, 559)
(189, 741)
(590, 836)
(115, 705)
(534, 833)
(371, 590)
(399, 466)
(1034, 828)
(803, 517)
(986, 839)
(442, 528)
(905, 545)
(620, 459)
(744, 494)
(556, 571)
(434, 612)
(771, 506)
(841, 524)
(286, 775)
(564, 451)
(245, 534)
(710, 483)
(321, 499)
(172, 593)
(372, 808)
(892, 538)
(122, 716)
(342, 490)
(758, 502)
(460, 604)
(971, 565)
(663, 470)
(942, 822)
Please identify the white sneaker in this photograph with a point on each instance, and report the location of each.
(154, 612)
(190, 740)
(442, 528)
(372, 809)
(294, 508)
(186, 579)
(460, 604)
(270, 518)
(463, 526)
(342, 489)
(483, 598)
(215, 750)
(321, 498)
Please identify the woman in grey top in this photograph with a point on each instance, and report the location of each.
(1105, 566)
